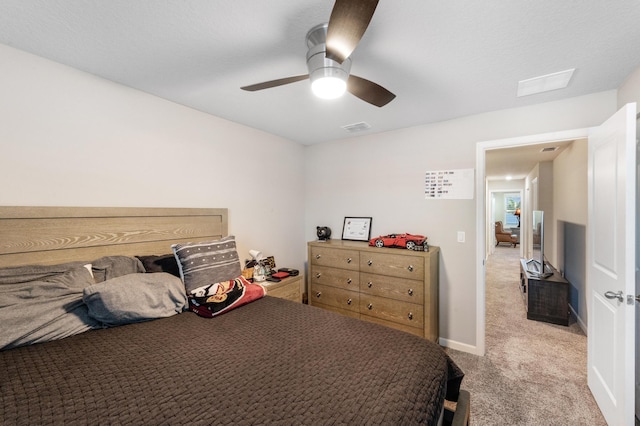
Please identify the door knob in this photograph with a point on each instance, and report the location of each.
(612, 295)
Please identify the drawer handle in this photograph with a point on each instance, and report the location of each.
(318, 275)
(349, 281)
(369, 306)
(318, 256)
(410, 292)
(410, 316)
(349, 260)
(370, 262)
(410, 268)
(369, 284)
(349, 302)
(318, 294)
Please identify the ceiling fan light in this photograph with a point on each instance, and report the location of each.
(328, 77)
(330, 87)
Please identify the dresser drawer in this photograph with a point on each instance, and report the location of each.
(393, 265)
(407, 329)
(395, 288)
(334, 277)
(332, 296)
(410, 314)
(345, 259)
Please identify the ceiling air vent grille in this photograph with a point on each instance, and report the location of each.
(545, 83)
(549, 149)
(356, 127)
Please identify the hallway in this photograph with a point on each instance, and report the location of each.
(533, 373)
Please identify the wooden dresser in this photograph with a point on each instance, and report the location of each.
(390, 286)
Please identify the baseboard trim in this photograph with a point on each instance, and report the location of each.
(581, 323)
(462, 347)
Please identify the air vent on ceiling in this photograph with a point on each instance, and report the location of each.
(356, 127)
(545, 83)
(549, 149)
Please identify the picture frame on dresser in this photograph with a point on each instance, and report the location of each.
(356, 228)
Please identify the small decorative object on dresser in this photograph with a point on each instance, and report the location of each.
(356, 228)
(396, 288)
(408, 241)
(324, 233)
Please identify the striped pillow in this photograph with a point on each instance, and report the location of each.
(206, 263)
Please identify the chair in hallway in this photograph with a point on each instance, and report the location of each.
(504, 237)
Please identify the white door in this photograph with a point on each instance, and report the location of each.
(611, 266)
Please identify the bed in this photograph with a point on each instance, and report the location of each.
(270, 361)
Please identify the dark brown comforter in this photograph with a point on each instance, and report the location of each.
(269, 362)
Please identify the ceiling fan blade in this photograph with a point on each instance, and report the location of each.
(274, 83)
(369, 91)
(347, 24)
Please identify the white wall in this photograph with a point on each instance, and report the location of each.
(570, 183)
(382, 176)
(530, 204)
(629, 91)
(513, 185)
(545, 203)
(570, 219)
(71, 139)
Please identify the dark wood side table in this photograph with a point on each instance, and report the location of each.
(546, 299)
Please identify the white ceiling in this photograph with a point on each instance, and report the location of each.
(443, 59)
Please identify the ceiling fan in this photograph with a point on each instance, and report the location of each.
(330, 46)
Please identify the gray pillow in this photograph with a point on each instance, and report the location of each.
(109, 267)
(134, 298)
(207, 263)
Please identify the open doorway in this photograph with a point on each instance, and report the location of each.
(611, 148)
(505, 208)
(553, 178)
(493, 162)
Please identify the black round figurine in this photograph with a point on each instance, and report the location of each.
(324, 233)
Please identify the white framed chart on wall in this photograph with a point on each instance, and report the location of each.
(449, 184)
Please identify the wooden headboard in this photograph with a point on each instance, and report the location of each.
(50, 235)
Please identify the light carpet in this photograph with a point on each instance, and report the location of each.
(533, 373)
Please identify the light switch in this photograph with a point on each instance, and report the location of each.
(461, 236)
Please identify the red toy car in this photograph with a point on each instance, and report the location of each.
(408, 241)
